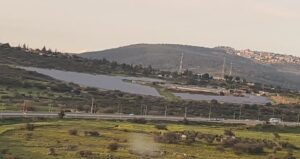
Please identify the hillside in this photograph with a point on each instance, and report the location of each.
(202, 60)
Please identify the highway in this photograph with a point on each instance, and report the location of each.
(4, 115)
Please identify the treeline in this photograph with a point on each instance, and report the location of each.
(46, 58)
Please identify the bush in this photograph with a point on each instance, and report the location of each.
(185, 121)
(230, 142)
(169, 137)
(29, 127)
(228, 133)
(52, 152)
(161, 126)
(290, 155)
(73, 132)
(220, 148)
(209, 138)
(248, 148)
(288, 145)
(139, 120)
(276, 135)
(28, 136)
(71, 147)
(61, 114)
(11, 157)
(113, 146)
(4, 151)
(85, 153)
(91, 133)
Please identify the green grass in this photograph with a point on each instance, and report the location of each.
(54, 134)
(165, 93)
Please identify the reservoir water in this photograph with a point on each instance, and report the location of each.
(109, 82)
(100, 81)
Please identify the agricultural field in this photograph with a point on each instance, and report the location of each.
(65, 139)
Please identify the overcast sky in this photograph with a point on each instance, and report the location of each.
(85, 25)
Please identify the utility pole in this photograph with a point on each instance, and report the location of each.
(224, 65)
(258, 115)
(120, 110)
(24, 107)
(273, 115)
(240, 115)
(166, 109)
(185, 112)
(234, 115)
(50, 108)
(92, 107)
(181, 65)
(146, 110)
(230, 73)
(209, 113)
(298, 119)
(142, 109)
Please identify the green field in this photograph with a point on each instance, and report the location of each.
(134, 141)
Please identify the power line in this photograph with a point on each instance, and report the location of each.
(224, 65)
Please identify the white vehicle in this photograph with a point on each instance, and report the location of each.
(275, 121)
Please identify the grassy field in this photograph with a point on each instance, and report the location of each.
(291, 99)
(134, 141)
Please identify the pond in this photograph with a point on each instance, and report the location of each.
(247, 99)
(101, 81)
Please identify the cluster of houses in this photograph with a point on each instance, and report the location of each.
(269, 58)
(262, 57)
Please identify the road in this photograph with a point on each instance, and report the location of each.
(126, 117)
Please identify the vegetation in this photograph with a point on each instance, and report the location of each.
(130, 140)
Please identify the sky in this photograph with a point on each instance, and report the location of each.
(88, 25)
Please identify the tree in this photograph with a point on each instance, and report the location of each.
(205, 76)
(214, 102)
(24, 46)
(44, 49)
(61, 114)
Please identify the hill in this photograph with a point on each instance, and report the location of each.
(202, 60)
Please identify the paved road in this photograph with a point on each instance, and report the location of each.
(125, 117)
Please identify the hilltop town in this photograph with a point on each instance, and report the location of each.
(262, 56)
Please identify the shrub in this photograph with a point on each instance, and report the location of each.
(28, 136)
(113, 146)
(169, 137)
(91, 133)
(161, 126)
(276, 148)
(61, 114)
(230, 142)
(11, 157)
(220, 148)
(139, 120)
(185, 121)
(209, 138)
(228, 133)
(276, 135)
(52, 152)
(288, 145)
(71, 147)
(4, 151)
(73, 132)
(248, 148)
(29, 127)
(85, 153)
(290, 155)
